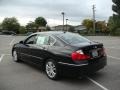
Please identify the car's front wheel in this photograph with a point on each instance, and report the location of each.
(51, 69)
(15, 56)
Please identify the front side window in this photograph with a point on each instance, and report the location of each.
(42, 40)
(31, 40)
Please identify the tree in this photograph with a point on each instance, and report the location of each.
(111, 24)
(71, 29)
(101, 26)
(116, 7)
(22, 30)
(40, 21)
(48, 28)
(11, 24)
(0, 27)
(88, 24)
(114, 25)
(31, 26)
(114, 21)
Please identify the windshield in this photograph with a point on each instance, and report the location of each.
(72, 38)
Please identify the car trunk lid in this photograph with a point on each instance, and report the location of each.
(93, 49)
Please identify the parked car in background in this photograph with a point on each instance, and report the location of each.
(8, 33)
(29, 33)
(0, 33)
(61, 53)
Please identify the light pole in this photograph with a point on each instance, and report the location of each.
(63, 19)
(66, 24)
(94, 28)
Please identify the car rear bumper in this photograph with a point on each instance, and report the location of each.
(82, 69)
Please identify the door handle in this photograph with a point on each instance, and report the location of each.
(44, 48)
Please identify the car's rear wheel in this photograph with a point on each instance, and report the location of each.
(51, 69)
(15, 56)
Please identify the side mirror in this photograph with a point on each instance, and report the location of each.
(21, 42)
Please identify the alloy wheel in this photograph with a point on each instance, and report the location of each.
(15, 57)
(51, 69)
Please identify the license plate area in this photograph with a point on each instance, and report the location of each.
(95, 53)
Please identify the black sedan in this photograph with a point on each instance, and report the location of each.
(60, 53)
(5, 32)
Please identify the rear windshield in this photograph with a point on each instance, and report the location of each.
(72, 38)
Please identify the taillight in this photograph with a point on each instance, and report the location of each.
(103, 50)
(79, 55)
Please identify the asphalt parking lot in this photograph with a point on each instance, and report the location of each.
(21, 76)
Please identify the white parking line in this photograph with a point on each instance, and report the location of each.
(7, 54)
(113, 57)
(2, 57)
(12, 42)
(113, 48)
(96, 83)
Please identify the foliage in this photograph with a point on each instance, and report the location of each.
(117, 32)
(48, 28)
(11, 24)
(71, 29)
(22, 30)
(114, 21)
(88, 24)
(116, 7)
(40, 21)
(0, 27)
(31, 26)
(113, 24)
(101, 26)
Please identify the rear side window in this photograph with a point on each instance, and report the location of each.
(51, 41)
(72, 38)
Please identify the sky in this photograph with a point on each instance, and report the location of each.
(75, 10)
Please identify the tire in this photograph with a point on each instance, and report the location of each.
(15, 56)
(51, 70)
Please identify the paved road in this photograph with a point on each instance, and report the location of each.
(21, 76)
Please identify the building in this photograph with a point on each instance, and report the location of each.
(60, 28)
(40, 29)
(35, 29)
(80, 28)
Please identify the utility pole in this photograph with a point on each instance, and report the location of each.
(63, 19)
(66, 25)
(94, 21)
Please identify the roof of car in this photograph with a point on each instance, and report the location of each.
(51, 32)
